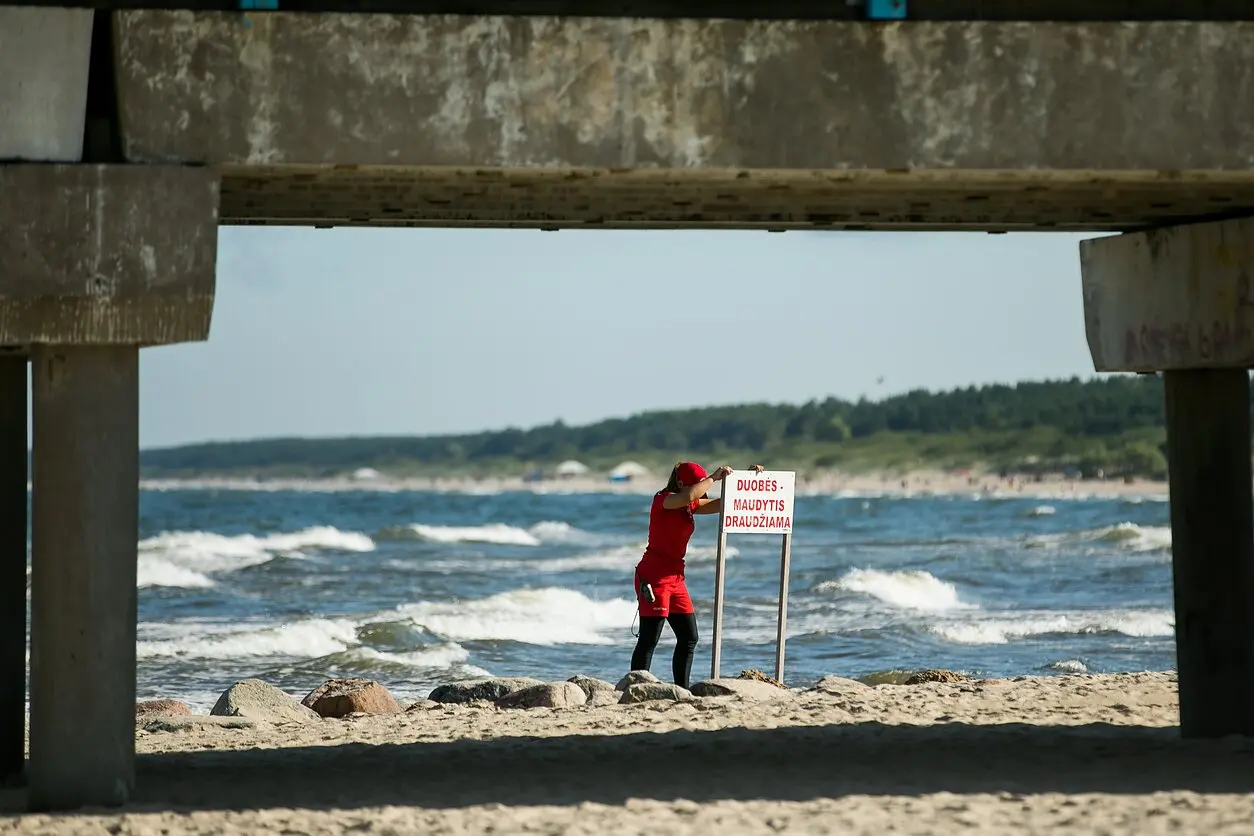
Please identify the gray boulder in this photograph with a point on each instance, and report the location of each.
(924, 677)
(261, 701)
(635, 678)
(840, 685)
(548, 695)
(748, 688)
(646, 691)
(610, 697)
(178, 723)
(490, 689)
(162, 707)
(591, 685)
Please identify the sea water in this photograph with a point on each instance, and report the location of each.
(418, 588)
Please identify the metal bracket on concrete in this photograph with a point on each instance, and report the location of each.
(886, 9)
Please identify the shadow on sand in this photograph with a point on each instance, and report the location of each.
(791, 764)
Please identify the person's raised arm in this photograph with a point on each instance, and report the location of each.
(715, 506)
(688, 494)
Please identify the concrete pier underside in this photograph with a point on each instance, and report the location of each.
(342, 119)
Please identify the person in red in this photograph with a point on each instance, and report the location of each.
(660, 586)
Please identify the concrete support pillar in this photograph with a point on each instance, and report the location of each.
(1181, 301)
(1212, 528)
(12, 566)
(98, 261)
(44, 68)
(85, 523)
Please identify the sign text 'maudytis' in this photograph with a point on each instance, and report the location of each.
(758, 503)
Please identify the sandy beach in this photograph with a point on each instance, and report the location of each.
(1067, 754)
(915, 483)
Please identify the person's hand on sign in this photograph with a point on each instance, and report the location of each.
(756, 468)
(722, 473)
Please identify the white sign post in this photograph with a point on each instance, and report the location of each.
(755, 503)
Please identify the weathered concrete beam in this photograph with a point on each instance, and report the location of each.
(330, 119)
(44, 58)
(608, 93)
(1176, 298)
(724, 198)
(96, 255)
(978, 10)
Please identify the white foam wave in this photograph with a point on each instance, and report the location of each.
(617, 559)
(1069, 666)
(544, 616)
(501, 534)
(309, 638)
(914, 590)
(440, 656)
(699, 554)
(1136, 537)
(1042, 511)
(1125, 536)
(621, 559)
(1138, 623)
(552, 531)
(154, 571)
(185, 558)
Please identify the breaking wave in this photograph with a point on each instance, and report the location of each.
(1141, 624)
(493, 533)
(547, 616)
(187, 558)
(1125, 536)
(907, 589)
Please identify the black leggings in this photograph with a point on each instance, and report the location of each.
(685, 627)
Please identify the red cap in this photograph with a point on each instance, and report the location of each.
(690, 473)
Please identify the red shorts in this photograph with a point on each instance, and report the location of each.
(671, 594)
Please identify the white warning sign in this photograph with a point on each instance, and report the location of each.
(758, 503)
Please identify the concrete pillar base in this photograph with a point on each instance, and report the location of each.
(1212, 529)
(85, 526)
(12, 567)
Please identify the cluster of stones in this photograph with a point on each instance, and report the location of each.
(253, 700)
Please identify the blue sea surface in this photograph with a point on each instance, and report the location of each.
(419, 588)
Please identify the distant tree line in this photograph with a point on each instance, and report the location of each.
(1097, 410)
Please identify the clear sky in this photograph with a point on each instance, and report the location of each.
(357, 332)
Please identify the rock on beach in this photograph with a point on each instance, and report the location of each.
(635, 678)
(489, 689)
(591, 685)
(548, 695)
(341, 697)
(647, 691)
(748, 688)
(261, 701)
(169, 708)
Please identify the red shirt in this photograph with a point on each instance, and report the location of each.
(670, 529)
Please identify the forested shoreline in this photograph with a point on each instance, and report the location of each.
(1112, 426)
